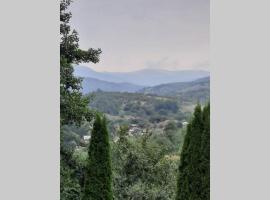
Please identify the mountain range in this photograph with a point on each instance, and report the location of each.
(145, 77)
(159, 82)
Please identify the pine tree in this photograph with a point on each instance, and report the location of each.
(193, 181)
(98, 185)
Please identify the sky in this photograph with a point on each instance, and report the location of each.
(140, 34)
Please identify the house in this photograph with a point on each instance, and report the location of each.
(86, 138)
(116, 139)
(134, 130)
(184, 123)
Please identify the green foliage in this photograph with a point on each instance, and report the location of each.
(169, 130)
(134, 108)
(73, 105)
(69, 46)
(72, 135)
(166, 106)
(143, 169)
(69, 186)
(194, 91)
(205, 155)
(132, 103)
(194, 172)
(98, 184)
(71, 175)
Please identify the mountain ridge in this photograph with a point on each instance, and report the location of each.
(92, 84)
(198, 90)
(145, 77)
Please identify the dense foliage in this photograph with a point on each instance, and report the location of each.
(98, 180)
(145, 167)
(198, 90)
(124, 166)
(73, 105)
(146, 111)
(205, 155)
(194, 168)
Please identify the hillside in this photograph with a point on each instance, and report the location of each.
(136, 108)
(194, 91)
(146, 77)
(152, 106)
(92, 84)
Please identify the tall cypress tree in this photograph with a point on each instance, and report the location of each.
(98, 185)
(194, 164)
(205, 154)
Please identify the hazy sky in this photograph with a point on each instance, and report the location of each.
(137, 34)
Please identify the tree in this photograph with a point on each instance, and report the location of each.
(73, 105)
(193, 180)
(142, 168)
(205, 154)
(170, 129)
(98, 185)
(120, 152)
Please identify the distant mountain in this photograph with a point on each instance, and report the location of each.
(198, 90)
(147, 77)
(92, 84)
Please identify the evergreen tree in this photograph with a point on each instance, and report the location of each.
(205, 154)
(98, 185)
(74, 107)
(193, 181)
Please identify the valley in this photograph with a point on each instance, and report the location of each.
(143, 108)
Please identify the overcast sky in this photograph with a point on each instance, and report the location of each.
(138, 34)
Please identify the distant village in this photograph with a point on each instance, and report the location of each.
(134, 130)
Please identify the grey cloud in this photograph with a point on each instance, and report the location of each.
(135, 34)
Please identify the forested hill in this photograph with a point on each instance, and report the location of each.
(194, 90)
(198, 90)
(93, 84)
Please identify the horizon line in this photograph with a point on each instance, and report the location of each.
(143, 69)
